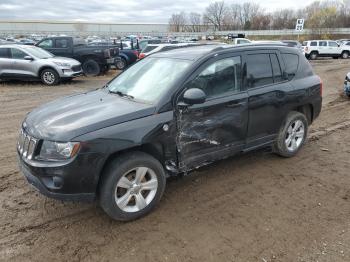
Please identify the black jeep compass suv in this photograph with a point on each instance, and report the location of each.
(168, 114)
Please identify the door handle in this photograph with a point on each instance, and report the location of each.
(233, 105)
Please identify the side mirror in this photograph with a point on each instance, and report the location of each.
(194, 96)
(29, 58)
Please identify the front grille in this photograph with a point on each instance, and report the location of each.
(26, 145)
(76, 68)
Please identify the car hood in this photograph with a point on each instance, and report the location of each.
(59, 59)
(69, 117)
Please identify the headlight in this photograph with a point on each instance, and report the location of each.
(54, 151)
(62, 64)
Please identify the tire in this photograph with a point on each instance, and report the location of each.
(121, 64)
(313, 55)
(91, 68)
(49, 77)
(284, 145)
(118, 185)
(345, 55)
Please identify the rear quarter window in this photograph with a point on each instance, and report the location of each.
(313, 43)
(291, 62)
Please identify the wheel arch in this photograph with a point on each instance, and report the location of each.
(307, 110)
(155, 150)
(41, 69)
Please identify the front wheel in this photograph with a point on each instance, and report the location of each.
(132, 186)
(49, 77)
(345, 55)
(292, 135)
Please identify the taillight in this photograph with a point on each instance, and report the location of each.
(306, 48)
(135, 52)
(142, 55)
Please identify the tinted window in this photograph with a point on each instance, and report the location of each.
(323, 43)
(148, 49)
(291, 62)
(17, 54)
(259, 71)
(4, 53)
(222, 76)
(333, 44)
(61, 43)
(276, 68)
(46, 43)
(313, 43)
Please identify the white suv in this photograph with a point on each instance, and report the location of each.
(325, 48)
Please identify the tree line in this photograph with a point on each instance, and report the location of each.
(225, 16)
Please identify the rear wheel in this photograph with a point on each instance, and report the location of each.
(345, 55)
(292, 135)
(49, 77)
(91, 68)
(313, 55)
(132, 186)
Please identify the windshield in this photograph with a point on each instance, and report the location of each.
(38, 52)
(149, 79)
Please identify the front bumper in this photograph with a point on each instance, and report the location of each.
(56, 182)
(110, 61)
(67, 73)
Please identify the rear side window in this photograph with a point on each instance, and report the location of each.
(4, 53)
(259, 70)
(313, 43)
(61, 43)
(323, 43)
(291, 62)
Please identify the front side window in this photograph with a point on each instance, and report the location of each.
(323, 43)
(17, 54)
(46, 43)
(259, 70)
(221, 77)
(149, 79)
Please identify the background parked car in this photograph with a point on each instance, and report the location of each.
(94, 59)
(25, 62)
(154, 48)
(325, 48)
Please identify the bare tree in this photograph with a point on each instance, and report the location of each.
(177, 22)
(195, 22)
(215, 13)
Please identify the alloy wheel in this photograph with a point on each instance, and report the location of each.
(49, 77)
(136, 189)
(295, 135)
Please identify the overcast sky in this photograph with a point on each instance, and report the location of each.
(126, 11)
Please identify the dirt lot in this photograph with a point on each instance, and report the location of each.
(255, 207)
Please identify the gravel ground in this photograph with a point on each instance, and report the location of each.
(254, 207)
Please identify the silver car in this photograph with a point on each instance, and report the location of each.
(31, 62)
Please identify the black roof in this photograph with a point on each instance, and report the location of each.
(197, 52)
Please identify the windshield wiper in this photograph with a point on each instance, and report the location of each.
(119, 93)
